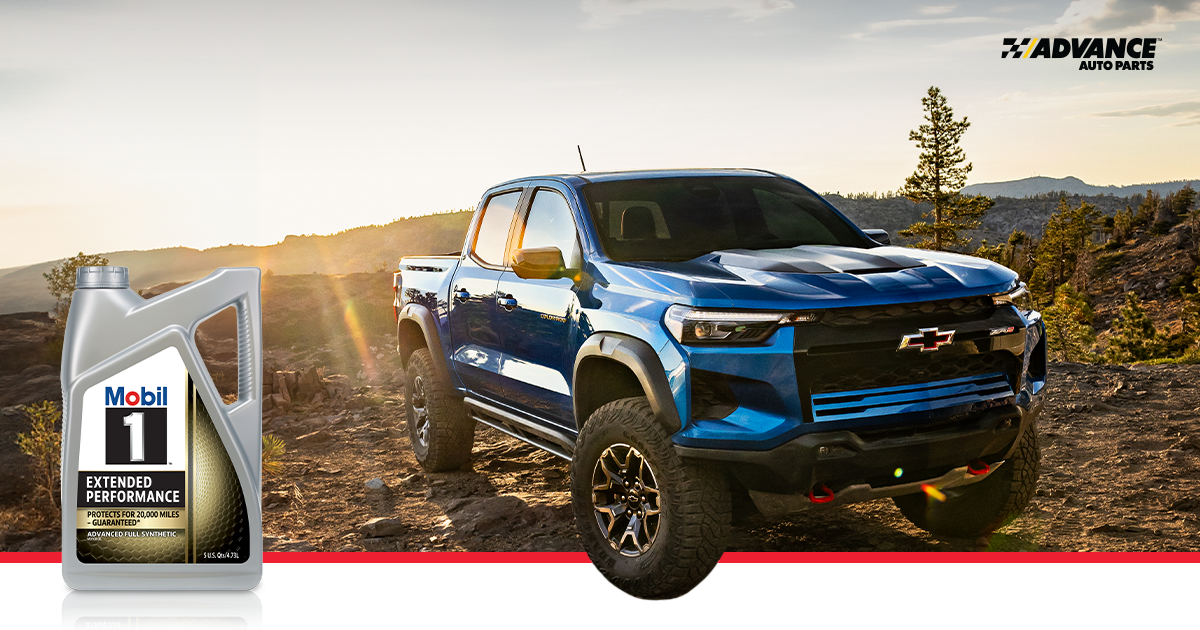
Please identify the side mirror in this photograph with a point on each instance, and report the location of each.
(879, 236)
(537, 263)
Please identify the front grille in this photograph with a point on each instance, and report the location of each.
(942, 395)
(979, 307)
(872, 370)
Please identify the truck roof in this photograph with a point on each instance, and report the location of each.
(588, 177)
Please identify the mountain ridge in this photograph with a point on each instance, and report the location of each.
(1038, 185)
(356, 250)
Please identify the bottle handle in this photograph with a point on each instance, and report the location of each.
(239, 287)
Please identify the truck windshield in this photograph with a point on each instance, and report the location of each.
(680, 218)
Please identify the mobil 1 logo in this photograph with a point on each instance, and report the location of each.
(135, 433)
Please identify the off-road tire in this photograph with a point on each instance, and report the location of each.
(449, 432)
(694, 502)
(980, 508)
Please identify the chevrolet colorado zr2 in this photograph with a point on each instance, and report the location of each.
(681, 335)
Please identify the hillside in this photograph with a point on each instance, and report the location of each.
(1031, 186)
(358, 250)
(1028, 214)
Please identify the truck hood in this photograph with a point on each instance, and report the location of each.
(826, 276)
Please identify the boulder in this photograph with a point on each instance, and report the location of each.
(489, 516)
(281, 403)
(280, 387)
(308, 384)
(381, 527)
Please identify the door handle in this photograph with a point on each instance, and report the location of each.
(462, 295)
(507, 302)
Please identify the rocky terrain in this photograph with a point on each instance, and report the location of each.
(1154, 267)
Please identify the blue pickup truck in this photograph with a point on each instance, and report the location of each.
(681, 336)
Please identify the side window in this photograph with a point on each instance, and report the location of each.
(492, 236)
(550, 224)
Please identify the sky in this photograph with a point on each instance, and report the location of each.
(131, 124)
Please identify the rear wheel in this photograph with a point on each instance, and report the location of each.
(653, 523)
(983, 507)
(439, 428)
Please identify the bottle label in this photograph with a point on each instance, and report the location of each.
(156, 485)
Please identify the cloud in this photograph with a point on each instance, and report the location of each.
(938, 9)
(1187, 113)
(1110, 17)
(879, 27)
(1010, 96)
(603, 13)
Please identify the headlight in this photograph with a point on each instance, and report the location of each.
(698, 326)
(1018, 297)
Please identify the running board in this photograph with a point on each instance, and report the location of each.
(515, 426)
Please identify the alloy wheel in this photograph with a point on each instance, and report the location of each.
(420, 411)
(626, 500)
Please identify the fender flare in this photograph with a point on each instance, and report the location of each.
(642, 360)
(424, 320)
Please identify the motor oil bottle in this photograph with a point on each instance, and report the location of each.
(161, 479)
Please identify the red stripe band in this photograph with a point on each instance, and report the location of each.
(738, 557)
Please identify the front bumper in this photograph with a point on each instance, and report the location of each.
(878, 460)
(776, 505)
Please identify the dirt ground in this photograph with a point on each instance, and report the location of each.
(1120, 472)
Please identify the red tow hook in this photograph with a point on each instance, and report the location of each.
(825, 496)
(978, 467)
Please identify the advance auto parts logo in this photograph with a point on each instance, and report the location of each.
(1096, 53)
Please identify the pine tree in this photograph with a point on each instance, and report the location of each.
(1147, 209)
(1164, 215)
(1066, 241)
(1135, 338)
(939, 179)
(1069, 325)
(1123, 226)
(1184, 199)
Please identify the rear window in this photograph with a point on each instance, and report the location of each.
(681, 218)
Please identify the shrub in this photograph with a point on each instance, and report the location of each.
(1135, 338)
(44, 444)
(1068, 325)
(272, 454)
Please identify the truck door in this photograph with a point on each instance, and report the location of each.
(475, 337)
(541, 316)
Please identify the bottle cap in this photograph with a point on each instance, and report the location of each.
(102, 278)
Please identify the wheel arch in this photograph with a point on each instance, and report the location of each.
(611, 366)
(416, 328)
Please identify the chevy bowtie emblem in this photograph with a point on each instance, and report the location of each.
(928, 340)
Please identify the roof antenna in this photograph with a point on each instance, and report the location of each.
(581, 159)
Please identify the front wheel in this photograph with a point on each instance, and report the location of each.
(980, 508)
(653, 523)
